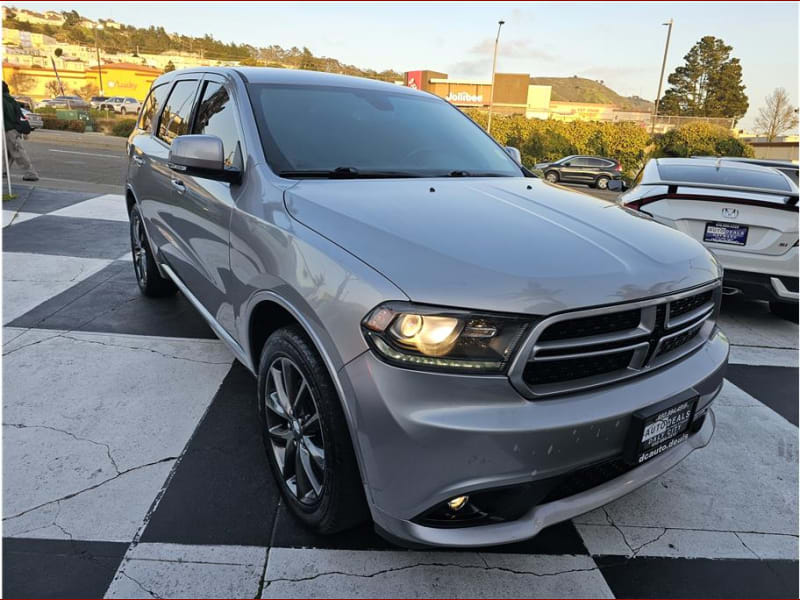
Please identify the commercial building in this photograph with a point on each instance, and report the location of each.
(514, 94)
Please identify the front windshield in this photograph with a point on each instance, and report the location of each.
(318, 129)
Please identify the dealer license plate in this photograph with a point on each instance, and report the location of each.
(726, 233)
(657, 429)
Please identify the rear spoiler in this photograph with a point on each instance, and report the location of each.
(672, 188)
(672, 194)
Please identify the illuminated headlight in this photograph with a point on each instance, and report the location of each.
(425, 337)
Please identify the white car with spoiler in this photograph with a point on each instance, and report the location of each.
(746, 214)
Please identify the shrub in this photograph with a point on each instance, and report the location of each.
(545, 140)
(123, 127)
(52, 122)
(700, 138)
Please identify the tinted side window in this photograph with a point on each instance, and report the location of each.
(215, 117)
(154, 101)
(580, 162)
(175, 117)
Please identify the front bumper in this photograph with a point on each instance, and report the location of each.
(423, 438)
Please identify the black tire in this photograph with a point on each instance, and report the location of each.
(552, 176)
(150, 281)
(784, 310)
(122, 111)
(340, 503)
(601, 183)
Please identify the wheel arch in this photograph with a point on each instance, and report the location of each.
(267, 305)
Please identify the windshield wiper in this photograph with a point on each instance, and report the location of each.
(346, 173)
(459, 173)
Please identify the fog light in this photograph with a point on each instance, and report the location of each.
(457, 503)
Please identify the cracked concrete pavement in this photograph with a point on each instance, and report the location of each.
(73, 428)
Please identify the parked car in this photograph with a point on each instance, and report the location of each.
(594, 171)
(122, 105)
(744, 213)
(443, 342)
(32, 118)
(97, 101)
(69, 102)
(25, 102)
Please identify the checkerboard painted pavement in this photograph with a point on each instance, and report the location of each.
(133, 465)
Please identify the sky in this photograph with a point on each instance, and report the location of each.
(621, 43)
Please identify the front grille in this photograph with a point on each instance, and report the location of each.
(552, 371)
(594, 347)
(684, 305)
(607, 323)
(668, 345)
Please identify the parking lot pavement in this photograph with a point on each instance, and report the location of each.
(133, 464)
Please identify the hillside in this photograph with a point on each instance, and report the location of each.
(579, 89)
(72, 27)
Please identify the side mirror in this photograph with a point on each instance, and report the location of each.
(514, 153)
(201, 156)
(616, 185)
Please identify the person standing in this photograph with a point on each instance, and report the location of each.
(15, 126)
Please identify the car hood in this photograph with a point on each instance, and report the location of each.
(502, 244)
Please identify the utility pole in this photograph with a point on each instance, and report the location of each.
(494, 69)
(661, 77)
(97, 47)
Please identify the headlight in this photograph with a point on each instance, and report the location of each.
(433, 338)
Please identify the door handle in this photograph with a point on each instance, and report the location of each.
(178, 185)
(138, 160)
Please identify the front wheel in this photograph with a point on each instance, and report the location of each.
(784, 310)
(150, 281)
(306, 437)
(602, 183)
(551, 176)
(122, 111)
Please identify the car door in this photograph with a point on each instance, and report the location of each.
(203, 206)
(158, 198)
(572, 170)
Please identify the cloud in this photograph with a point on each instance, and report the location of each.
(480, 67)
(512, 49)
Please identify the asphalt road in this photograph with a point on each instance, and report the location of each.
(97, 163)
(75, 161)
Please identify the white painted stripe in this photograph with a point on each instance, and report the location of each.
(87, 153)
(755, 355)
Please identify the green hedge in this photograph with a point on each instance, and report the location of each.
(702, 139)
(545, 140)
(52, 122)
(123, 127)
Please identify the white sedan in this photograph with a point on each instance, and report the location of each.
(744, 213)
(122, 104)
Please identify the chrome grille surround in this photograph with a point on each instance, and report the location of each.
(656, 341)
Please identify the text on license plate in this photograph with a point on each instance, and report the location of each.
(726, 233)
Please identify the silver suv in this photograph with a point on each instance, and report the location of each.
(443, 343)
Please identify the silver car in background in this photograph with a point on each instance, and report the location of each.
(123, 105)
(442, 342)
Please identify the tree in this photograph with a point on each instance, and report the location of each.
(170, 66)
(777, 116)
(307, 60)
(709, 84)
(52, 87)
(20, 82)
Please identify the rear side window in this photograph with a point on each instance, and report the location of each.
(175, 117)
(155, 100)
(215, 117)
(581, 162)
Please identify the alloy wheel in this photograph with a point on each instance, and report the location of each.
(602, 183)
(139, 248)
(294, 429)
